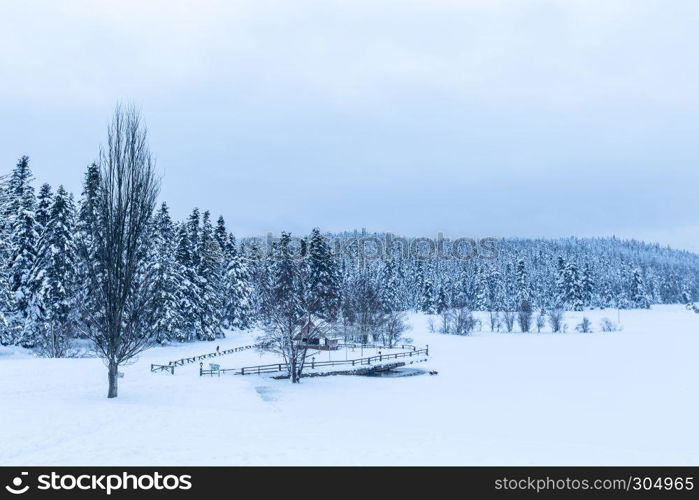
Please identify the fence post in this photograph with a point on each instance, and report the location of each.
(427, 350)
(242, 371)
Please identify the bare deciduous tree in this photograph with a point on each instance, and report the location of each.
(118, 318)
(606, 325)
(585, 326)
(508, 318)
(367, 311)
(556, 315)
(459, 321)
(540, 320)
(290, 339)
(524, 316)
(495, 320)
(289, 327)
(464, 321)
(394, 326)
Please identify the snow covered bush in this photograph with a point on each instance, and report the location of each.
(585, 326)
(495, 321)
(540, 320)
(431, 326)
(464, 322)
(459, 321)
(607, 325)
(446, 319)
(394, 327)
(508, 318)
(524, 316)
(556, 319)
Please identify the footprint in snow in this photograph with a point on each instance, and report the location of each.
(266, 393)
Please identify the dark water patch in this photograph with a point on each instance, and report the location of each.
(398, 372)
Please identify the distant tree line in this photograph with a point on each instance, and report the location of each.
(202, 281)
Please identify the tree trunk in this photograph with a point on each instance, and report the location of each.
(293, 370)
(113, 380)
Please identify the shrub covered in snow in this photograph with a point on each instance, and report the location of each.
(585, 326)
(524, 316)
(607, 325)
(459, 321)
(556, 320)
(508, 318)
(495, 321)
(540, 320)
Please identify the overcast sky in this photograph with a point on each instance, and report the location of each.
(472, 118)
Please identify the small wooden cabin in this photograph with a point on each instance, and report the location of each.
(309, 337)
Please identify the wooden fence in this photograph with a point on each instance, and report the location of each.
(377, 346)
(170, 367)
(279, 367)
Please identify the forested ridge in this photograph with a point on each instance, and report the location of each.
(205, 280)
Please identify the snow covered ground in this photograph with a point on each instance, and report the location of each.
(627, 397)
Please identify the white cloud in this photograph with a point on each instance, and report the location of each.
(566, 53)
(529, 100)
